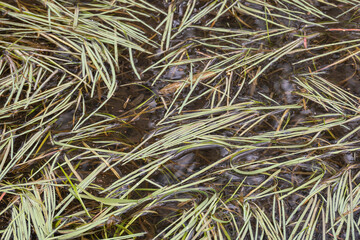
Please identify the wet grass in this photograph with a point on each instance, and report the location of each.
(179, 119)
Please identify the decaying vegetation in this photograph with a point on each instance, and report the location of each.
(219, 119)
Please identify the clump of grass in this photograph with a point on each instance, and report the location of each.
(205, 119)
